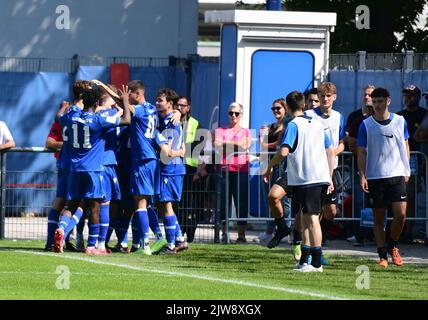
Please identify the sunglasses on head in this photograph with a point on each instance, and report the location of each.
(231, 113)
(276, 109)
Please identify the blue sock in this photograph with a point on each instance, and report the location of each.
(73, 221)
(53, 217)
(306, 253)
(154, 223)
(94, 232)
(104, 224)
(135, 234)
(122, 236)
(316, 256)
(63, 222)
(178, 232)
(143, 226)
(170, 225)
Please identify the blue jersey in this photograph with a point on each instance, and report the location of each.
(143, 125)
(174, 135)
(111, 140)
(86, 138)
(64, 160)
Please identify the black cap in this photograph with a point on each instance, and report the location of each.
(412, 89)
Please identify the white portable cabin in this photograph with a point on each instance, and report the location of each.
(266, 54)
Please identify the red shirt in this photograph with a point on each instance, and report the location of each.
(55, 133)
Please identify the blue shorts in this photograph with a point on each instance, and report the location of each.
(143, 178)
(171, 188)
(111, 183)
(85, 185)
(62, 184)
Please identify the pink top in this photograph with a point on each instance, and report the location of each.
(235, 162)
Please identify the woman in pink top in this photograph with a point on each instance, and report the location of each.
(228, 140)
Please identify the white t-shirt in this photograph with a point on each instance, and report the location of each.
(5, 134)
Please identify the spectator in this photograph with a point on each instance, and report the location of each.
(367, 110)
(229, 140)
(6, 139)
(421, 134)
(358, 114)
(413, 114)
(270, 138)
(189, 212)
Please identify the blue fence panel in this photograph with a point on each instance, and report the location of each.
(93, 72)
(204, 92)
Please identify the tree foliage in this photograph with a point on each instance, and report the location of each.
(388, 18)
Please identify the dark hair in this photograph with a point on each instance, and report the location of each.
(78, 88)
(310, 91)
(184, 97)
(295, 101)
(91, 95)
(170, 95)
(380, 93)
(136, 85)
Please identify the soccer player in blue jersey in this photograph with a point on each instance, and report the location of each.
(383, 164)
(110, 206)
(310, 162)
(172, 170)
(63, 164)
(144, 121)
(334, 125)
(87, 142)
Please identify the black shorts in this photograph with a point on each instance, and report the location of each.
(308, 199)
(338, 186)
(383, 192)
(283, 183)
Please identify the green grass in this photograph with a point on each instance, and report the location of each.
(205, 271)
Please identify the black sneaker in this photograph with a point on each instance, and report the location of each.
(133, 249)
(70, 247)
(277, 237)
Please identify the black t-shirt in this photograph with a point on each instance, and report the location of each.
(352, 117)
(413, 119)
(273, 135)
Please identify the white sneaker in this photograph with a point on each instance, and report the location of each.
(147, 251)
(299, 266)
(308, 268)
(351, 239)
(320, 269)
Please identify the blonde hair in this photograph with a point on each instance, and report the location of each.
(236, 105)
(327, 87)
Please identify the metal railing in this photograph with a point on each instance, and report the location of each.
(360, 60)
(348, 171)
(26, 198)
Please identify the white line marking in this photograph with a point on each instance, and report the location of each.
(189, 275)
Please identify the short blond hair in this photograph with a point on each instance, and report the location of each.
(236, 105)
(327, 87)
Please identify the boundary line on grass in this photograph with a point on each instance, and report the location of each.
(189, 275)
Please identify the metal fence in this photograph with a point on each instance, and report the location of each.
(349, 61)
(348, 212)
(26, 198)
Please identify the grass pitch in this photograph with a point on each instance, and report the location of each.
(204, 272)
